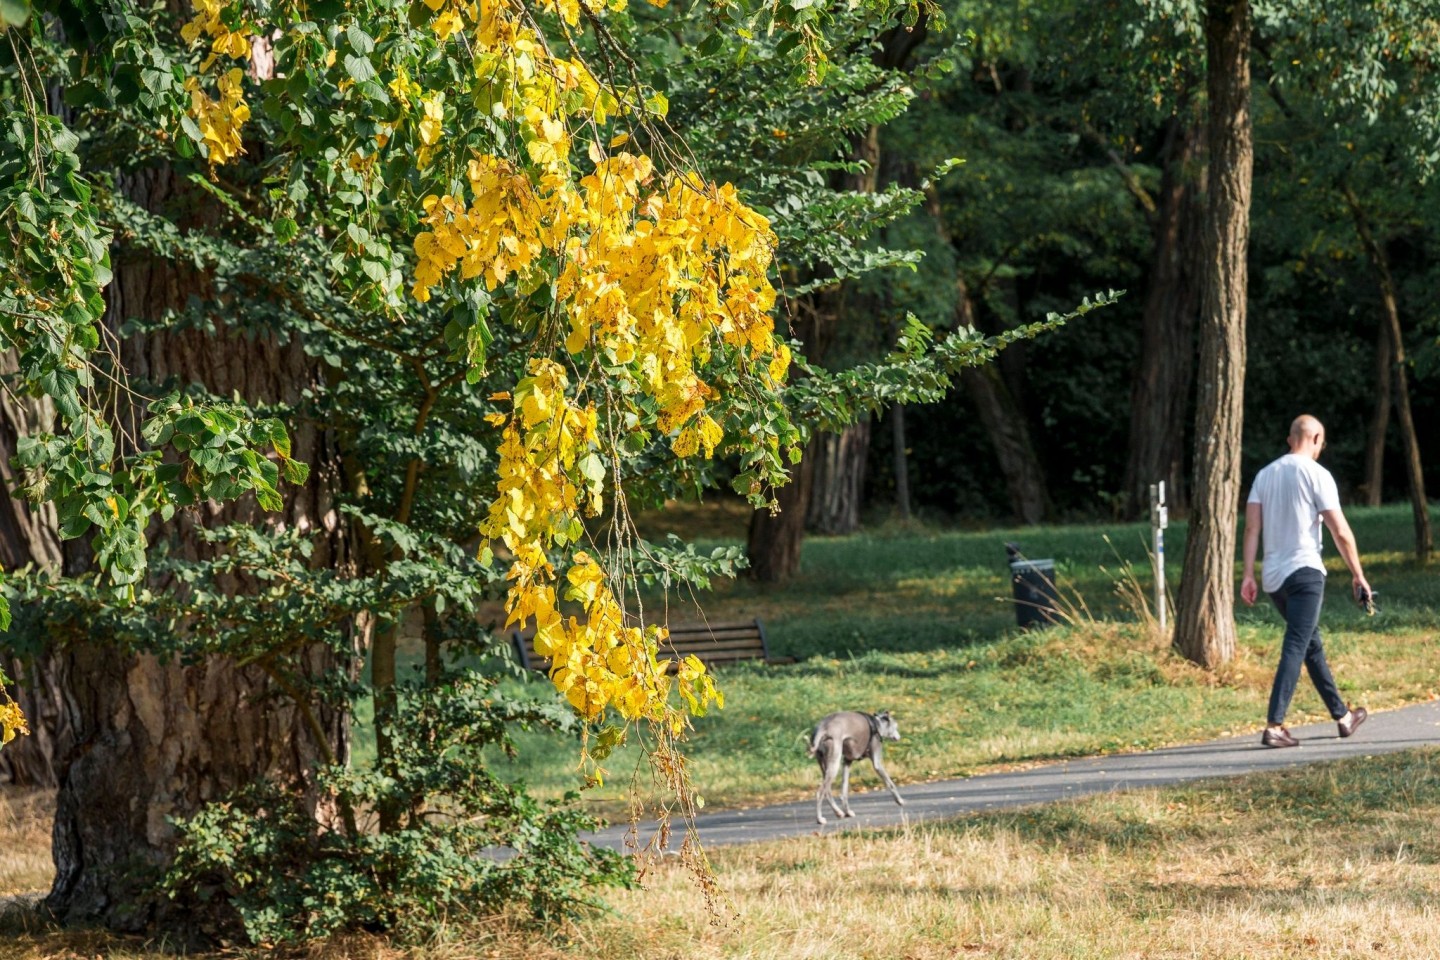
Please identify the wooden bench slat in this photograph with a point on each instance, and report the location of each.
(701, 639)
(714, 643)
(705, 653)
(713, 625)
(752, 643)
(728, 637)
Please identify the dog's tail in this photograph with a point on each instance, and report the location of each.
(816, 738)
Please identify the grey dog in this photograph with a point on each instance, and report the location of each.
(841, 739)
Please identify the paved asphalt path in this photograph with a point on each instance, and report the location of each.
(1387, 732)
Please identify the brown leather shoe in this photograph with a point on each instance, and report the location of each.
(1357, 717)
(1278, 738)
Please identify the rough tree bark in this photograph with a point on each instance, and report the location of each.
(777, 535)
(1159, 400)
(155, 739)
(775, 539)
(837, 485)
(28, 535)
(1374, 486)
(1390, 304)
(1205, 623)
(838, 478)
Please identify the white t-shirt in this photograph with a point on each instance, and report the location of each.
(1292, 493)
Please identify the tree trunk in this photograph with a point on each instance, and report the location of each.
(1001, 416)
(157, 739)
(1374, 487)
(902, 461)
(837, 485)
(1205, 625)
(1159, 400)
(1414, 471)
(777, 536)
(1005, 424)
(28, 535)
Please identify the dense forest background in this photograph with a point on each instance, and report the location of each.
(1069, 160)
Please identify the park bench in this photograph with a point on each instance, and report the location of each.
(713, 643)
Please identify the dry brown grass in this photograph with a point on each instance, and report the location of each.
(25, 817)
(1337, 862)
(1341, 861)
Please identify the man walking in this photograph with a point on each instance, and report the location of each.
(1290, 499)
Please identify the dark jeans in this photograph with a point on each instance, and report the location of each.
(1298, 601)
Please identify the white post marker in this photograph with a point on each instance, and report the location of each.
(1159, 520)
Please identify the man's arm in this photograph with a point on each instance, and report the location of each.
(1254, 520)
(1345, 543)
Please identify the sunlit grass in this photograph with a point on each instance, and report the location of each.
(918, 621)
(1340, 861)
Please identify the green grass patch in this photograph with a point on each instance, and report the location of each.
(918, 621)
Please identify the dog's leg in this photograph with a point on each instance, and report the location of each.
(823, 759)
(845, 792)
(877, 761)
(833, 761)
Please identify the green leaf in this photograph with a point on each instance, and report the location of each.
(14, 13)
(359, 39)
(286, 230)
(359, 68)
(269, 499)
(192, 130)
(592, 468)
(296, 472)
(279, 438)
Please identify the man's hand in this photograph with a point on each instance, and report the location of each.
(1359, 588)
(1249, 590)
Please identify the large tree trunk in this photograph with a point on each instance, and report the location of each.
(776, 536)
(1205, 627)
(28, 535)
(1414, 472)
(157, 739)
(837, 485)
(838, 478)
(1159, 400)
(1374, 486)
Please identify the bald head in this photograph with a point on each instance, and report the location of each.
(1307, 436)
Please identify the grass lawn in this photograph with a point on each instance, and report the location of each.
(1340, 861)
(917, 621)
